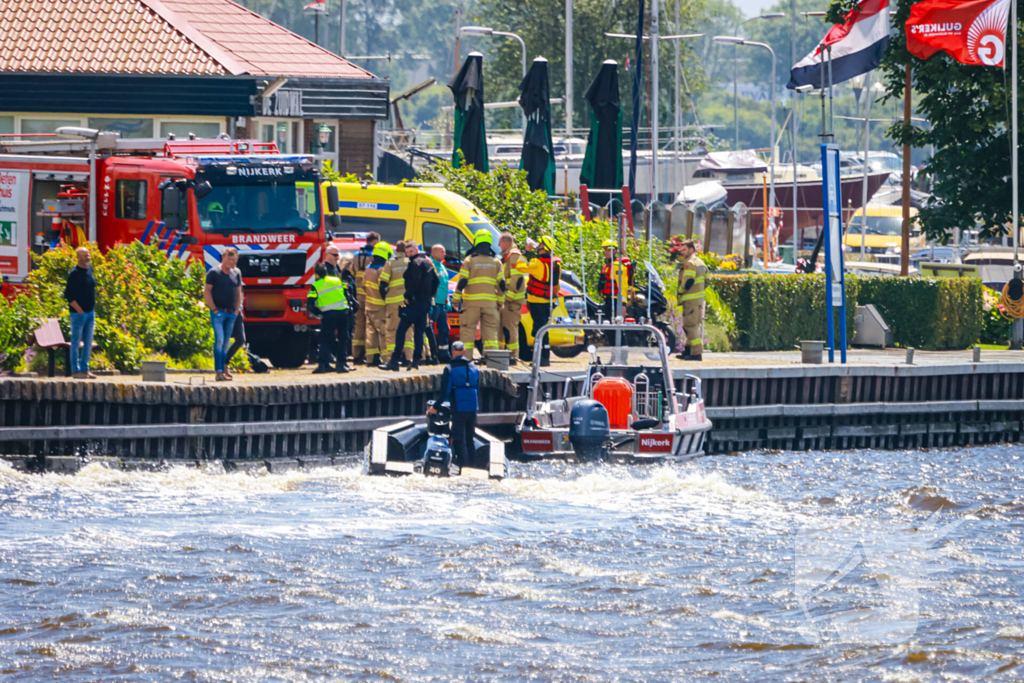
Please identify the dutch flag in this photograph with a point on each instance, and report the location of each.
(857, 47)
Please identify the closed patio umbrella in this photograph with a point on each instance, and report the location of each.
(538, 158)
(602, 163)
(468, 89)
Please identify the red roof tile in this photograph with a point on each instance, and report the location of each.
(194, 37)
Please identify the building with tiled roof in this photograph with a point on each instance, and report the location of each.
(150, 68)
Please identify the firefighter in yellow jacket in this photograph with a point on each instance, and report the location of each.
(691, 298)
(480, 289)
(516, 275)
(357, 266)
(392, 288)
(376, 325)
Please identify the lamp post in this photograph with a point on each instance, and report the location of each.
(733, 40)
(488, 31)
(735, 89)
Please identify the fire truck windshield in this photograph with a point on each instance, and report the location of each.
(237, 203)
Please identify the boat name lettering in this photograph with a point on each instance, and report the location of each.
(661, 443)
(537, 441)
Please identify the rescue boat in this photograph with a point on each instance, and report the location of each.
(625, 407)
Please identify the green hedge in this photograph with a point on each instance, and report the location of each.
(774, 312)
(928, 313)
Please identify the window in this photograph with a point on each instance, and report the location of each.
(127, 127)
(181, 129)
(42, 126)
(391, 230)
(6, 125)
(455, 243)
(130, 200)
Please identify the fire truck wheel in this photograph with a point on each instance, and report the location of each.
(291, 350)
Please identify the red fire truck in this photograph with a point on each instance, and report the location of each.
(192, 198)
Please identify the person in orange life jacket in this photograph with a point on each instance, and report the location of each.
(460, 387)
(540, 293)
(421, 284)
(616, 277)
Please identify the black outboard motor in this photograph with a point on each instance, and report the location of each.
(437, 458)
(589, 430)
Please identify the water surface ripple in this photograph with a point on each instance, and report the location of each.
(559, 573)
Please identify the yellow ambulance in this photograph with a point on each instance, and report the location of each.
(883, 232)
(429, 214)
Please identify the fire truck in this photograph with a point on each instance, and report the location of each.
(191, 198)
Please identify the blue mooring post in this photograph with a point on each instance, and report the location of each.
(835, 289)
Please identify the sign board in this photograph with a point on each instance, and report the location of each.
(283, 103)
(14, 222)
(832, 205)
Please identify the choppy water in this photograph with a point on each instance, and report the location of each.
(559, 573)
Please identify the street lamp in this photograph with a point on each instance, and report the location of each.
(734, 40)
(488, 31)
(324, 134)
(735, 89)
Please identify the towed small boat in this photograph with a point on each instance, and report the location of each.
(412, 447)
(623, 408)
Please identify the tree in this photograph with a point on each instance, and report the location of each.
(968, 109)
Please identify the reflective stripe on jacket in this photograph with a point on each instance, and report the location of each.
(371, 279)
(328, 294)
(483, 276)
(360, 262)
(693, 269)
(516, 276)
(393, 273)
(538, 290)
(620, 281)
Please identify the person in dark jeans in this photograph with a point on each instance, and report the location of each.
(439, 310)
(80, 292)
(420, 288)
(460, 387)
(223, 295)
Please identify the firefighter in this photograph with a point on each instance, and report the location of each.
(515, 295)
(327, 299)
(376, 327)
(616, 278)
(691, 298)
(392, 288)
(358, 266)
(543, 271)
(480, 290)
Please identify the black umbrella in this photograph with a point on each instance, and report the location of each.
(602, 163)
(538, 151)
(468, 89)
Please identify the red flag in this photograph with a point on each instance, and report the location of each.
(316, 6)
(972, 32)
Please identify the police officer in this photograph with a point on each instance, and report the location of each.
(422, 283)
(691, 297)
(545, 272)
(460, 386)
(480, 289)
(392, 288)
(515, 295)
(376, 324)
(327, 299)
(358, 266)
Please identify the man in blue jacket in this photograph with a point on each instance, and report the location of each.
(460, 387)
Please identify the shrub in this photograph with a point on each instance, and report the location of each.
(775, 312)
(928, 313)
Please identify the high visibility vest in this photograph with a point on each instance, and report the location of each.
(693, 269)
(483, 274)
(515, 276)
(393, 273)
(328, 294)
(617, 282)
(541, 288)
(371, 283)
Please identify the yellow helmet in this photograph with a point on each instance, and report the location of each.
(482, 236)
(382, 249)
(546, 241)
(215, 207)
(610, 243)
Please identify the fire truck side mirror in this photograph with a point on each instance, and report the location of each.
(202, 189)
(171, 196)
(333, 203)
(334, 221)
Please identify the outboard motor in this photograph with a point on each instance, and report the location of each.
(437, 458)
(589, 431)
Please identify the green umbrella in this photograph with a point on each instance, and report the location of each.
(602, 163)
(468, 89)
(538, 158)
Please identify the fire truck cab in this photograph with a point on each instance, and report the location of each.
(191, 198)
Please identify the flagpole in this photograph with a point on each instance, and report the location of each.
(905, 241)
(1018, 324)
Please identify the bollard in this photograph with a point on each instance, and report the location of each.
(977, 353)
(910, 355)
